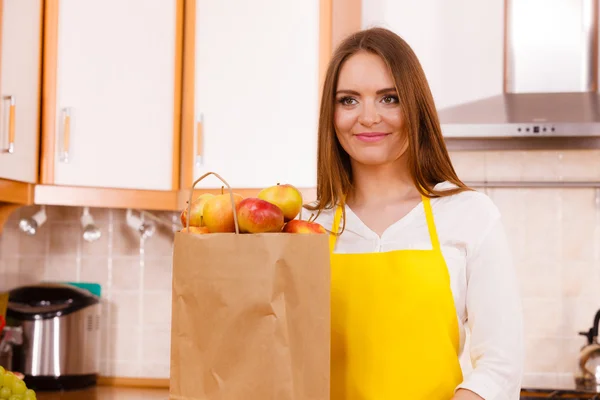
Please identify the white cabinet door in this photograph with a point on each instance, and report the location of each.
(20, 61)
(459, 43)
(115, 93)
(257, 77)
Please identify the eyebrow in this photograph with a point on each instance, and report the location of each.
(381, 91)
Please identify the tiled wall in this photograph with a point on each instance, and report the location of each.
(555, 235)
(135, 276)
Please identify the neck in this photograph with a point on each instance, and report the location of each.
(381, 184)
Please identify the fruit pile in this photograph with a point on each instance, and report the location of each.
(273, 210)
(13, 388)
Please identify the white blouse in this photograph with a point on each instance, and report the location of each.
(483, 280)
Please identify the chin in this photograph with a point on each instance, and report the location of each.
(373, 159)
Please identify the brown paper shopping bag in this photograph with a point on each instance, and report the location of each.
(250, 316)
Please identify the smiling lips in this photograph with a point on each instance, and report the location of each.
(371, 136)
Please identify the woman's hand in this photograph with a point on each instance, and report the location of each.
(464, 394)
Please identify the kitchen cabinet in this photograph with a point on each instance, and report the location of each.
(20, 79)
(254, 70)
(449, 38)
(111, 94)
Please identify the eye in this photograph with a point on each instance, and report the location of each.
(347, 101)
(390, 99)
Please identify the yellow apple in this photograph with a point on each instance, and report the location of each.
(218, 212)
(286, 197)
(196, 210)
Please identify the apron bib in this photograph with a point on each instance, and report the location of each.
(394, 329)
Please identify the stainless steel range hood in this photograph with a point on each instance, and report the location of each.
(550, 94)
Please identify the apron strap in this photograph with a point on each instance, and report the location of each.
(435, 243)
(334, 228)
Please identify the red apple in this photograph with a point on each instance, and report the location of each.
(218, 213)
(301, 226)
(198, 230)
(196, 210)
(286, 197)
(259, 216)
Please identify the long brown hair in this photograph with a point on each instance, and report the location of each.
(428, 157)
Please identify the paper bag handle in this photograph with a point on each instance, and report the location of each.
(189, 206)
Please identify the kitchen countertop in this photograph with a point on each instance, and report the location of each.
(107, 393)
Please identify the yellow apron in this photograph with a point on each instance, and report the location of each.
(394, 325)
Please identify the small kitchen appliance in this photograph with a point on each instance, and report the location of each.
(61, 335)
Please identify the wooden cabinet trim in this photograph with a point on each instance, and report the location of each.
(105, 197)
(49, 76)
(188, 96)
(6, 209)
(16, 192)
(117, 381)
(177, 100)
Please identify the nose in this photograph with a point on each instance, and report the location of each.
(369, 114)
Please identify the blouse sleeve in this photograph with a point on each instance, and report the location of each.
(494, 313)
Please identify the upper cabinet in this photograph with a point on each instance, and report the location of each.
(459, 43)
(111, 99)
(254, 71)
(20, 78)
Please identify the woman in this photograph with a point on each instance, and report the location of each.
(417, 257)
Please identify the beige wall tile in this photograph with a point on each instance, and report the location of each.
(157, 310)
(125, 309)
(504, 165)
(125, 344)
(61, 268)
(126, 273)
(156, 347)
(36, 245)
(158, 273)
(579, 224)
(31, 270)
(580, 278)
(156, 370)
(579, 165)
(9, 241)
(125, 369)
(469, 166)
(542, 355)
(541, 166)
(65, 238)
(540, 316)
(126, 242)
(540, 279)
(96, 270)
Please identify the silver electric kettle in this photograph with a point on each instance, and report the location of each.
(587, 376)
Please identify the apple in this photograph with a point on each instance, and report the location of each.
(198, 230)
(301, 226)
(217, 214)
(259, 216)
(286, 197)
(196, 210)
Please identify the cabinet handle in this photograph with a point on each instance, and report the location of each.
(199, 141)
(11, 123)
(66, 134)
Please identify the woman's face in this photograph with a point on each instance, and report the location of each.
(368, 120)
